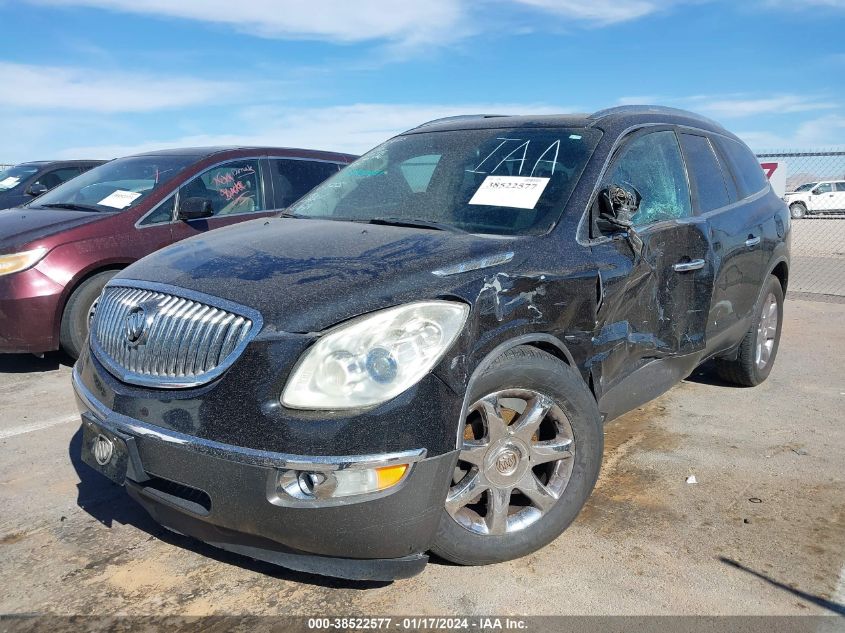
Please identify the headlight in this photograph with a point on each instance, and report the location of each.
(376, 357)
(15, 262)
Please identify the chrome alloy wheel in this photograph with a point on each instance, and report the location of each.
(515, 462)
(766, 331)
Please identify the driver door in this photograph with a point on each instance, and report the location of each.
(654, 292)
(237, 189)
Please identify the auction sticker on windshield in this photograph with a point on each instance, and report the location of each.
(9, 182)
(520, 192)
(119, 199)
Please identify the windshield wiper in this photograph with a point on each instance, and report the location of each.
(298, 216)
(70, 205)
(413, 222)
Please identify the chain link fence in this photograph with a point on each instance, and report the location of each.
(812, 183)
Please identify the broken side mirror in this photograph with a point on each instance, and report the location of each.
(195, 208)
(618, 204)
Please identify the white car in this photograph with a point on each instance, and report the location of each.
(817, 197)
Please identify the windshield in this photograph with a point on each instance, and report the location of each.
(501, 181)
(120, 184)
(806, 187)
(11, 177)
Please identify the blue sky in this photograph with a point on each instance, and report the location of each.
(102, 78)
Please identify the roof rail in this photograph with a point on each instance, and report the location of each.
(459, 117)
(651, 109)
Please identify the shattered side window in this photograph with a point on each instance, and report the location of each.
(652, 164)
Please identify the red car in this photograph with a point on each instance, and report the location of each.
(57, 252)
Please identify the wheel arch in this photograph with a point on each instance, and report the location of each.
(75, 283)
(780, 269)
(542, 341)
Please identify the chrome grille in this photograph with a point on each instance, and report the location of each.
(153, 336)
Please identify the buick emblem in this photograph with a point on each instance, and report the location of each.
(137, 323)
(507, 461)
(102, 449)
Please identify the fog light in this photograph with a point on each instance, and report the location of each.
(330, 484)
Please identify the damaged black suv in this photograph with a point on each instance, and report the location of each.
(419, 355)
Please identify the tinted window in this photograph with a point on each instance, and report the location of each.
(509, 181)
(232, 187)
(162, 213)
(750, 177)
(295, 178)
(840, 186)
(705, 173)
(56, 177)
(419, 170)
(652, 164)
(825, 187)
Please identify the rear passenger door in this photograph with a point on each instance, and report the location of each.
(736, 226)
(294, 177)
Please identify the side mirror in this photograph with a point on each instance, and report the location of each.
(195, 208)
(35, 189)
(617, 206)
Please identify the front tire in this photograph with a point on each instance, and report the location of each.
(530, 456)
(758, 349)
(797, 211)
(79, 311)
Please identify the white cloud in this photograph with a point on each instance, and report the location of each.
(819, 133)
(744, 107)
(599, 11)
(27, 87)
(349, 128)
(805, 4)
(332, 20)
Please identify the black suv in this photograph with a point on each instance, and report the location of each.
(420, 354)
(21, 183)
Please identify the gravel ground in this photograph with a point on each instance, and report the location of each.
(762, 532)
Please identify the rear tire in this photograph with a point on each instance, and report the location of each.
(79, 311)
(561, 450)
(797, 211)
(759, 346)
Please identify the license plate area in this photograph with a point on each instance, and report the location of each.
(104, 450)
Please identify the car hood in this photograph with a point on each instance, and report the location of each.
(306, 275)
(22, 225)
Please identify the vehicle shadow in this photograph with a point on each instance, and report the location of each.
(108, 503)
(706, 374)
(821, 602)
(29, 363)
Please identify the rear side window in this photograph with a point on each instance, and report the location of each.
(294, 178)
(840, 186)
(705, 173)
(750, 177)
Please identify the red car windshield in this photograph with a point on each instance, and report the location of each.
(117, 185)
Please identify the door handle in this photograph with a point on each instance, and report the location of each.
(752, 241)
(685, 267)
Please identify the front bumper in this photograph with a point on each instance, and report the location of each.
(223, 495)
(29, 303)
